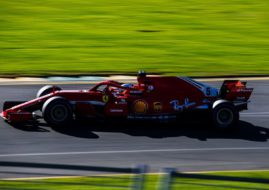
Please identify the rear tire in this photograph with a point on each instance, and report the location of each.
(225, 116)
(57, 111)
(47, 90)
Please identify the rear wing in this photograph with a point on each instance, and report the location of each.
(235, 90)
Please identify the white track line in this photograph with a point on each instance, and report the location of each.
(256, 116)
(134, 151)
(256, 113)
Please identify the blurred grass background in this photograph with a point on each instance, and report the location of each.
(175, 37)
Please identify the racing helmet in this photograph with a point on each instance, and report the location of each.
(141, 73)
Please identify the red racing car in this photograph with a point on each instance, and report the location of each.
(157, 98)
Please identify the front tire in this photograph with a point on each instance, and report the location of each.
(225, 116)
(47, 90)
(57, 111)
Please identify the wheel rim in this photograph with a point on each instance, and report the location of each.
(225, 116)
(59, 113)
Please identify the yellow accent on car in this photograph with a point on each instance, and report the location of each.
(157, 106)
(105, 98)
(140, 106)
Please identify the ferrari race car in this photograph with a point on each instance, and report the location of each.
(152, 97)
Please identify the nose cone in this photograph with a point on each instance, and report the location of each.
(3, 114)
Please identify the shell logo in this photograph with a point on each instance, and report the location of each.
(140, 106)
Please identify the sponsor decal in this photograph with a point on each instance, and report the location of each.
(105, 98)
(116, 110)
(157, 106)
(244, 90)
(93, 102)
(121, 101)
(205, 106)
(140, 106)
(150, 88)
(135, 92)
(161, 117)
(180, 107)
(206, 101)
(208, 91)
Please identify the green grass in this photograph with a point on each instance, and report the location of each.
(186, 37)
(193, 184)
(152, 181)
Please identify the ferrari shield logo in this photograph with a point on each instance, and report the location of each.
(140, 106)
(157, 106)
(105, 98)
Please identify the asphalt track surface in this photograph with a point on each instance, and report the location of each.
(187, 146)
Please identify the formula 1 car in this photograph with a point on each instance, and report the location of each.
(153, 97)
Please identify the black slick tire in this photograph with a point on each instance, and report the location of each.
(225, 116)
(57, 112)
(47, 90)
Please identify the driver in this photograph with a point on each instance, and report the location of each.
(143, 82)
